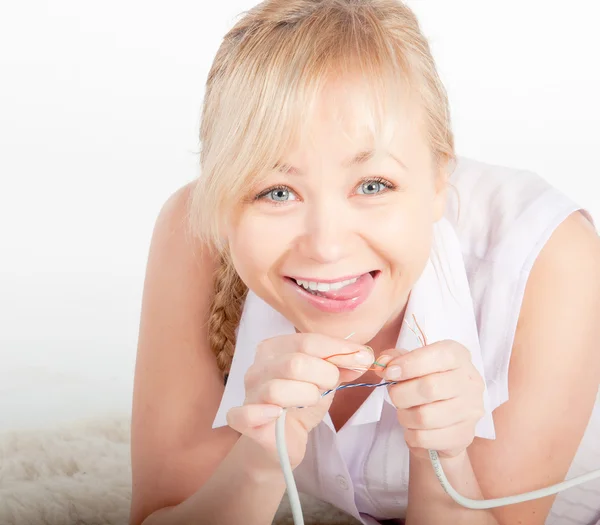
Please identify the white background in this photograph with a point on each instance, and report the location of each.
(99, 118)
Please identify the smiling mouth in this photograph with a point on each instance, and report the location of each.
(326, 288)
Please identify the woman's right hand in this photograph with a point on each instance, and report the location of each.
(292, 371)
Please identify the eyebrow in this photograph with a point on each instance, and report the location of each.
(360, 158)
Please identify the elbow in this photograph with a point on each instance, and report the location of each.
(156, 516)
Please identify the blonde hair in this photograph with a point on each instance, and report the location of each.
(264, 81)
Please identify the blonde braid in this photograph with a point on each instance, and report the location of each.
(225, 311)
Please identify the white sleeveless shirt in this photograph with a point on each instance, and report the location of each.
(472, 294)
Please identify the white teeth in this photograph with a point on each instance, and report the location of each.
(316, 286)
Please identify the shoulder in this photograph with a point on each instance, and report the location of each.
(504, 220)
(491, 202)
(173, 239)
(174, 211)
(566, 274)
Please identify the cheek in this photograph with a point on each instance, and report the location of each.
(405, 233)
(255, 244)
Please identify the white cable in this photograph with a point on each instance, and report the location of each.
(294, 498)
(286, 467)
(508, 500)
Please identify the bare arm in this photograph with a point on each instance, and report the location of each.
(428, 503)
(184, 471)
(234, 494)
(553, 383)
(553, 377)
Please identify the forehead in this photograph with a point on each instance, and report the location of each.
(356, 121)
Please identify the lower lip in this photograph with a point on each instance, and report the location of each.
(366, 283)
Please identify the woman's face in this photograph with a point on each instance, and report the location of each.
(354, 228)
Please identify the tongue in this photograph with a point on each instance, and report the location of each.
(349, 291)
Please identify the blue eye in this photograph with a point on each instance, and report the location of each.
(374, 186)
(277, 194)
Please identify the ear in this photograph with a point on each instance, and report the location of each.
(441, 191)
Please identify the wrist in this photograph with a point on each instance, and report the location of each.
(421, 456)
(258, 466)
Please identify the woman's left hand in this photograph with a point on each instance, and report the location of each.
(439, 396)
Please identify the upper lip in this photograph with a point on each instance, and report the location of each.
(336, 280)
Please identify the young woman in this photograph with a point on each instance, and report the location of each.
(337, 239)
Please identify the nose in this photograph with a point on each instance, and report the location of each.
(327, 233)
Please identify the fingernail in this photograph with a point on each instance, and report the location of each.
(383, 360)
(393, 372)
(364, 357)
(271, 412)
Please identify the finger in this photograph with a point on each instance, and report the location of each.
(251, 416)
(385, 358)
(348, 376)
(340, 352)
(436, 357)
(457, 436)
(285, 393)
(296, 366)
(440, 414)
(427, 389)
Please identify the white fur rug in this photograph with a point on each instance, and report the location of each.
(79, 474)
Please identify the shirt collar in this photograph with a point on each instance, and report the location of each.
(440, 300)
